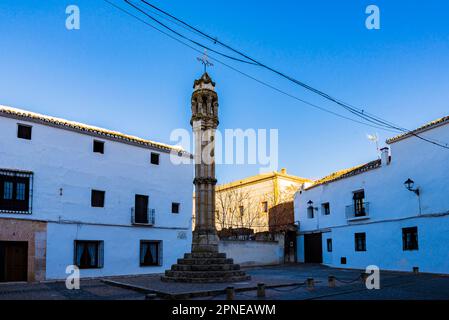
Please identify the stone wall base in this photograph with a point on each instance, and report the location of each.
(35, 234)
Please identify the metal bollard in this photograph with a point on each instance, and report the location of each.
(310, 283)
(230, 293)
(261, 290)
(363, 277)
(331, 281)
(415, 270)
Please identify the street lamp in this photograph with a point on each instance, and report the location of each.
(408, 184)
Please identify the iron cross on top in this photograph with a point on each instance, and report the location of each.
(205, 61)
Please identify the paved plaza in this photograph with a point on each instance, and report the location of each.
(285, 282)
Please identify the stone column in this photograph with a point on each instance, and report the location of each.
(204, 122)
(205, 263)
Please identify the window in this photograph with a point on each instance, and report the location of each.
(326, 209)
(265, 206)
(343, 260)
(150, 253)
(8, 189)
(98, 146)
(155, 158)
(360, 241)
(175, 207)
(329, 245)
(410, 238)
(359, 205)
(20, 191)
(15, 191)
(24, 131)
(97, 199)
(89, 254)
(310, 212)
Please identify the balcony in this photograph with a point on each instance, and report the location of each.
(143, 217)
(354, 213)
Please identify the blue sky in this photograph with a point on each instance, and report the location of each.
(118, 73)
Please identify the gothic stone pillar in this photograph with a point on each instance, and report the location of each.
(205, 263)
(204, 122)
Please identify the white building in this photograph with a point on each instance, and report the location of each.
(367, 216)
(73, 194)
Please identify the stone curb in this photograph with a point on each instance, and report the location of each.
(192, 294)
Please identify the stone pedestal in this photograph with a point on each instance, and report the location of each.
(204, 241)
(205, 264)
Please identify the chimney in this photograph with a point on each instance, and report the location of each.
(384, 156)
(284, 171)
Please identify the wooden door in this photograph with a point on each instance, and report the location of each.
(313, 249)
(141, 214)
(13, 261)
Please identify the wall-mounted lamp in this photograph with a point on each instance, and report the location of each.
(310, 204)
(408, 184)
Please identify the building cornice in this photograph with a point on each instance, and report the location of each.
(346, 173)
(261, 178)
(24, 115)
(427, 126)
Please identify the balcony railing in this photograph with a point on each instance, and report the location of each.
(143, 217)
(357, 212)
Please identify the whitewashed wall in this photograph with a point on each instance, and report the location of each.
(247, 253)
(121, 248)
(64, 159)
(391, 207)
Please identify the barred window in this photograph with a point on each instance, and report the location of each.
(360, 241)
(15, 191)
(7, 191)
(20, 191)
(410, 238)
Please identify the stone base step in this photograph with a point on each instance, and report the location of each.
(205, 267)
(202, 267)
(204, 261)
(204, 274)
(201, 255)
(206, 280)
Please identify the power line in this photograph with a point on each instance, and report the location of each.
(373, 121)
(358, 112)
(246, 74)
(215, 41)
(186, 38)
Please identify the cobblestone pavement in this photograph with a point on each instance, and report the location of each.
(394, 285)
(89, 290)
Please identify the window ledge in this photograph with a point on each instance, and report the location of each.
(137, 224)
(16, 212)
(358, 218)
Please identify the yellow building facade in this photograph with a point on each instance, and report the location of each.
(248, 203)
